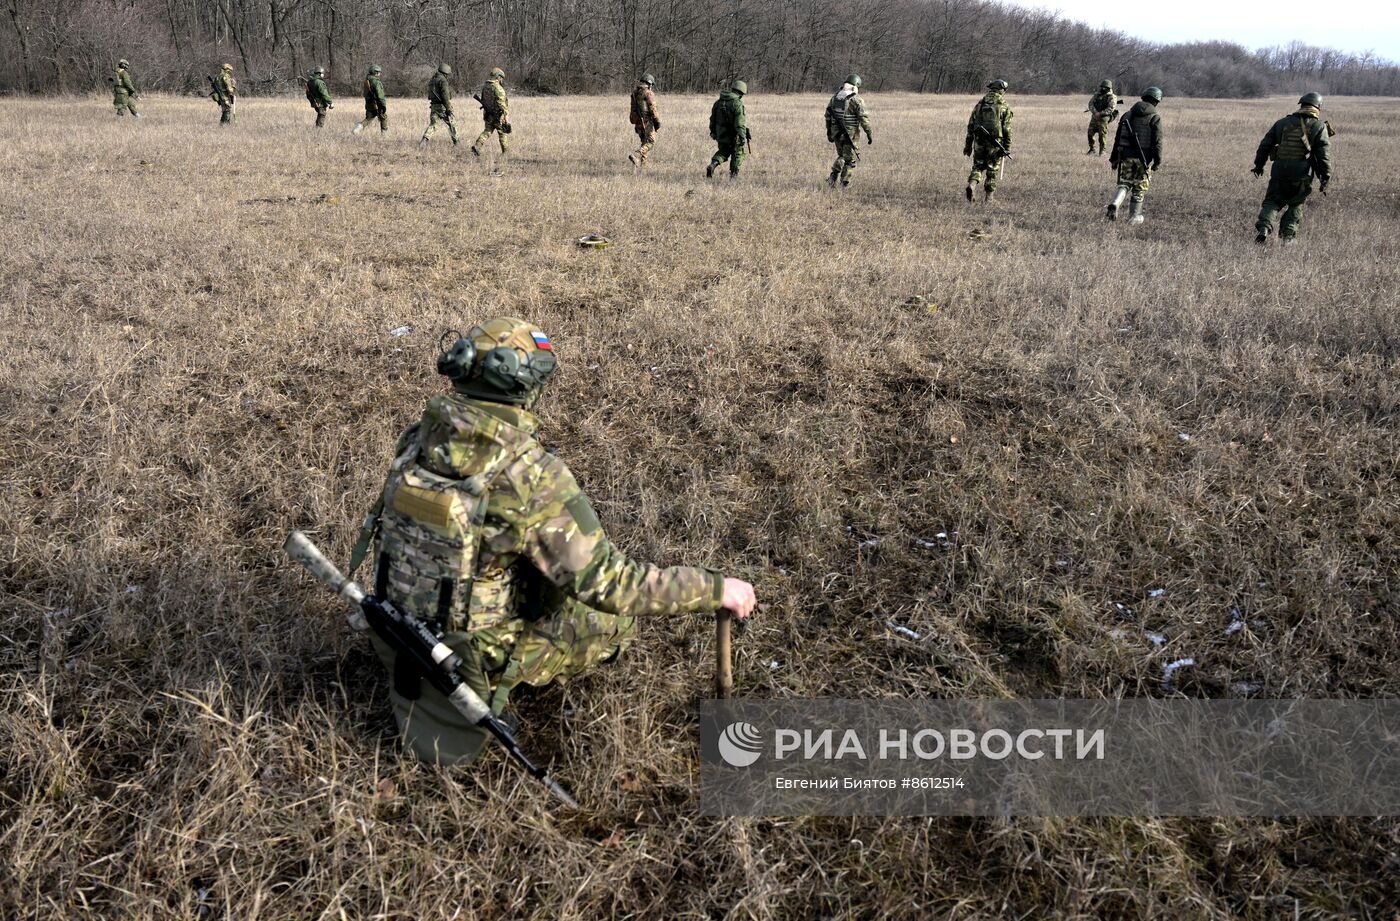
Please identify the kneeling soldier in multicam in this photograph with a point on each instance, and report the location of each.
(123, 90)
(1137, 151)
(846, 117)
(645, 117)
(1301, 147)
(376, 105)
(319, 95)
(988, 138)
(488, 538)
(1102, 111)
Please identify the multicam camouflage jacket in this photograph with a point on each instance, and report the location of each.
(487, 568)
(644, 111)
(1101, 106)
(990, 120)
(495, 107)
(122, 86)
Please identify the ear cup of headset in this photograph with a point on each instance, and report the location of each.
(500, 368)
(456, 362)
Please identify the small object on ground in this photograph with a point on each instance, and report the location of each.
(1237, 623)
(326, 199)
(724, 659)
(952, 439)
(399, 332)
(1182, 436)
(1157, 639)
(904, 631)
(915, 300)
(1156, 593)
(978, 234)
(594, 241)
(1171, 669)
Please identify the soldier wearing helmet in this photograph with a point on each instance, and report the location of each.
(376, 104)
(123, 90)
(319, 95)
(988, 139)
(1136, 154)
(225, 94)
(846, 117)
(729, 127)
(645, 118)
(1102, 111)
(440, 105)
(495, 114)
(485, 536)
(1301, 147)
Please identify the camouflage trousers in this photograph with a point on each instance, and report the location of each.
(558, 647)
(484, 138)
(372, 113)
(1284, 201)
(847, 158)
(320, 115)
(986, 158)
(1098, 131)
(646, 134)
(225, 111)
(1135, 175)
(437, 113)
(124, 104)
(734, 153)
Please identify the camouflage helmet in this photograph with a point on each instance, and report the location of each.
(1311, 99)
(1153, 93)
(853, 80)
(999, 85)
(1106, 85)
(375, 69)
(123, 63)
(445, 69)
(228, 67)
(648, 79)
(497, 74)
(740, 87)
(504, 360)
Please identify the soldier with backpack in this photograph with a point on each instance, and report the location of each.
(485, 536)
(1137, 152)
(645, 118)
(124, 91)
(729, 127)
(988, 139)
(376, 105)
(225, 93)
(1301, 147)
(846, 117)
(319, 95)
(440, 105)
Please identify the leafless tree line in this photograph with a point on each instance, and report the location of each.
(580, 46)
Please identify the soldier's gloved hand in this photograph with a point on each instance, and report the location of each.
(1322, 186)
(967, 150)
(869, 139)
(657, 125)
(738, 598)
(1258, 171)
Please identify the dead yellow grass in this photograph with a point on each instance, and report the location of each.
(198, 358)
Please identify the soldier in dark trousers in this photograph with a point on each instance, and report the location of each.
(1301, 147)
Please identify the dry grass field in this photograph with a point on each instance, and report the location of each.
(197, 357)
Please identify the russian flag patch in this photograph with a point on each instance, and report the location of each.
(542, 341)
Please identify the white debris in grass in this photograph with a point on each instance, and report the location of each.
(904, 631)
(1156, 593)
(398, 332)
(1172, 668)
(1158, 639)
(1237, 623)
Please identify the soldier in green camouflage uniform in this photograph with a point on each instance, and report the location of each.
(225, 94)
(645, 117)
(319, 95)
(1102, 112)
(1137, 151)
(488, 538)
(988, 139)
(846, 117)
(1301, 147)
(440, 104)
(729, 127)
(124, 91)
(376, 105)
(495, 113)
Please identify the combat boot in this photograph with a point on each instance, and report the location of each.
(1135, 213)
(422, 142)
(1287, 241)
(987, 196)
(1262, 238)
(831, 180)
(710, 170)
(1116, 203)
(968, 191)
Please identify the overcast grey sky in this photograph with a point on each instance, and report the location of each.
(1350, 25)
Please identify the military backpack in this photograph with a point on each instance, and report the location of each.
(987, 116)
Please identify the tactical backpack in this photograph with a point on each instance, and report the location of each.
(987, 116)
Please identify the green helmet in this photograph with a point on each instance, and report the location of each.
(1152, 93)
(853, 80)
(998, 85)
(1311, 99)
(445, 69)
(123, 63)
(497, 74)
(504, 360)
(320, 71)
(740, 87)
(1106, 85)
(375, 69)
(648, 79)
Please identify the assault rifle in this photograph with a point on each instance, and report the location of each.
(748, 140)
(216, 93)
(505, 128)
(997, 141)
(1128, 125)
(411, 639)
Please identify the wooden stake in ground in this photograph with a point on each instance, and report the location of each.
(724, 661)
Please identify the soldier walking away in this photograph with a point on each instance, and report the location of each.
(124, 91)
(646, 118)
(1137, 152)
(729, 127)
(1301, 147)
(319, 95)
(495, 114)
(1102, 111)
(225, 93)
(440, 104)
(846, 117)
(376, 105)
(988, 139)
(487, 537)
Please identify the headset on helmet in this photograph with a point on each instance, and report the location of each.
(504, 359)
